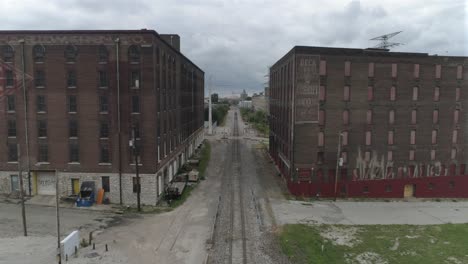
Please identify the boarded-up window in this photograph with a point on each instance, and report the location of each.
(438, 71)
(390, 155)
(344, 156)
(322, 93)
(371, 69)
(320, 139)
(456, 116)
(347, 69)
(390, 137)
(453, 154)
(345, 117)
(433, 153)
(457, 94)
(346, 93)
(455, 136)
(394, 70)
(323, 67)
(434, 137)
(415, 93)
(321, 117)
(391, 117)
(436, 94)
(393, 93)
(369, 116)
(344, 139)
(435, 116)
(370, 93)
(459, 72)
(368, 138)
(413, 117)
(416, 71)
(367, 156)
(413, 137)
(411, 154)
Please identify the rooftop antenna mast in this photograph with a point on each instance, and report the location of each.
(384, 44)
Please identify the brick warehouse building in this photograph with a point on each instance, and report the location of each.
(85, 91)
(397, 116)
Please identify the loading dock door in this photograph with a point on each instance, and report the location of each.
(409, 190)
(46, 183)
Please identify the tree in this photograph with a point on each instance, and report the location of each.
(214, 98)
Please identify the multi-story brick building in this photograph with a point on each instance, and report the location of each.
(85, 91)
(388, 115)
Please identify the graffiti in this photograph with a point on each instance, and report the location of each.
(374, 168)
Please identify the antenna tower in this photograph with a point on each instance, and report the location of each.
(384, 44)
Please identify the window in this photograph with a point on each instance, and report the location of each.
(430, 186)
(457, 94)
(12, 152)
(104, 153)
(135, 127)
(456, 116)
(10, 81)
(451, 184)
(345, 117)
(393, 93)
(321, 117)
(104, 129)
(320, 139)
(39, 79)
(411, 154)
(74, 152)
(388, 188)
(135, 184)
(103, 82)
(7, 53)
(11, 105)
(103, 104)
(105, 183)
(71, 79)
(135, 104)
(459, 72)
(369, 116)
(344, 139)
(41, 106)
(43, 153)
(368, 138)
(454, 136)
(347, 70)
(433, 154)
(414, 116)
(72, 105)
(320, 157)
(415, 93)
(370, 93)
(134, 54)
(416, 71)
(70, 53)
(365, 189)
(435, 116)
(453, 154)
(344, 156)
(390, 137)
(14, 183)
(11, 128)
(436, 94)
(413, 137)
(391, 117)
(371, 69)
(346, 91)
(103, 55)
(135, 79)
(434, 137)
(323, 68)
(394, 70)
(39, 53)
(438, 70)
(389, 155)
(42, 128)
(322, 93)
(73, 128)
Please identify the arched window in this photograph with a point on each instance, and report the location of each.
(39, 53)
(134, 54)
(103, 55)
(7, 53)
(70, 53)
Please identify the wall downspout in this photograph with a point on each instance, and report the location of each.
(117, 73)
(26, 121)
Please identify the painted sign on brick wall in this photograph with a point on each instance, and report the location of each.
(307, 88)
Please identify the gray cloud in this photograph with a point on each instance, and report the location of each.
(236, 40)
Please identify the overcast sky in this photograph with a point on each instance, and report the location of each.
(235, 41)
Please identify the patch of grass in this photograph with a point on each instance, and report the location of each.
(178, 202)
(204, 159)
(146, 209)
(429, 244)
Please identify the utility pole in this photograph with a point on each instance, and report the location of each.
(210, 118)
(59, 253)
(135, 155)
(338, 164)
(20, 175)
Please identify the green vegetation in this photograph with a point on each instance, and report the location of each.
(258, 119)
(376, 243)
(204, 159)
(219, 113)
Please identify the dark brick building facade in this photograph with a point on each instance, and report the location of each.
(85, 91)
(396, 115)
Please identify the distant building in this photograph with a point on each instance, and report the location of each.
(245, 104)
(243, 95)
(398, 116)
(260, 102)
